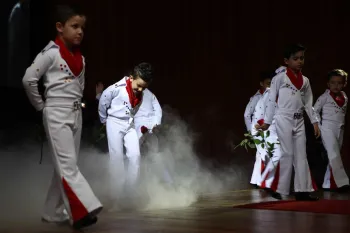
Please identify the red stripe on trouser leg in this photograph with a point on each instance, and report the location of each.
(262, 167)
(331, 179)
(77, 208)
(275, 181)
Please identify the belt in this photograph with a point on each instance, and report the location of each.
(295, 113)
(63, 102)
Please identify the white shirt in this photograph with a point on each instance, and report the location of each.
(330, 110)
(59, 80)
(290, 99)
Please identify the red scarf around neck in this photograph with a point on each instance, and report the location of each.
(134, 99)
(261, 90)
(339, 99)
(73, 59)
(296, 80)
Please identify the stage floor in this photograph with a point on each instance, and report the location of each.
(210, 214)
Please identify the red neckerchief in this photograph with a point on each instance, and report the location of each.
(261, 90)
(339, 99)
(296, 80)
(73, 59)
(134, 100)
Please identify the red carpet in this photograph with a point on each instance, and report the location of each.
(322, 206)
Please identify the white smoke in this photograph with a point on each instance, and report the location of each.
(173, 177)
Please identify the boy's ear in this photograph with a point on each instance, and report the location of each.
(59, 27)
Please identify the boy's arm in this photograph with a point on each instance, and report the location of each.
(249, 110)
(318, 107)
(308, 104)
(309, 110)
(105, 102)
(271, 100)
(157, 111)
(33, 74)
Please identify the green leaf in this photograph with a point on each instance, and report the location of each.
(269, 144)
(257, 141)
(261, 133)
(263, 146)
(252, 145)
(245, 146)
(268, 133)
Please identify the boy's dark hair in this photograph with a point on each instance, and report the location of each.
(144, 71)
(293, 49)
(266, 75)
(64, 12)
(338, 72)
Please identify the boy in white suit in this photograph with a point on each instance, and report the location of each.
(118, 106)
(63, 68)
(265, 174)
(294, 95)
(333, 104)
(249, 115)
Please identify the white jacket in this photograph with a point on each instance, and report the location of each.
(59, 80)
(331, 112)
(150, 112)
(249, 110)
(114, 102)
(290, 99)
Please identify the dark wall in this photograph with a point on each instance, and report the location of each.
(208, 54)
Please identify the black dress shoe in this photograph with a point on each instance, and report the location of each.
(343, 189)
(86, 221)
(305, 196)
(276, 195)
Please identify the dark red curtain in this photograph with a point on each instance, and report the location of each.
(208, 54)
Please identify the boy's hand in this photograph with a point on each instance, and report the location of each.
(264, 127)
(317, 130)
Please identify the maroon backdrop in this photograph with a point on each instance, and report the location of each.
(208, 54)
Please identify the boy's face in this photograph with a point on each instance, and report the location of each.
(72, 31)
(138, 85)
(336, 84)
(266, 83)
(296, 61)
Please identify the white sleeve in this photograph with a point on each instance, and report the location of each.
(157, 111)
(273, 92)
(40, 66)
(249, 110)
(105, 102)
(318, 107)
(308, 103)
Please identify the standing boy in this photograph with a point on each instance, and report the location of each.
(333, 104)
(63, 68)
(294, 95)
